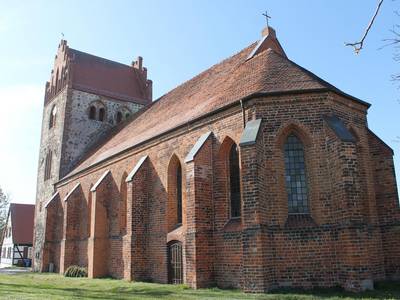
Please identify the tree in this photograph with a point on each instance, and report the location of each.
(393, 41)
(359, 45)
(4, 201)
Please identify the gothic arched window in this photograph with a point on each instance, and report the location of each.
(53, 114)
(234, 181)
(92, 112)
(179, 193)
(101, 114)
(295, 176)
(47, 166)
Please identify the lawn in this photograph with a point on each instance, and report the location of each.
(51, 286)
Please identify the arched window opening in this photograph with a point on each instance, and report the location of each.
(295, 176)
(92, 113)
(119, 117)
(53, 114)
(47, 166)
(234, 181)
(101, 114)
(179, 193)
(127, 115)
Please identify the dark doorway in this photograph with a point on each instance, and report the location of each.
(175, 268)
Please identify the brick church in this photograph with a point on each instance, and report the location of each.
(255, 174)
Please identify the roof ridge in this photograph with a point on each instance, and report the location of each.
(106, 60)
(206, 70)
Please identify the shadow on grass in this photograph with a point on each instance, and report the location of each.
(38, 286)
(113, 293)
(382, 290)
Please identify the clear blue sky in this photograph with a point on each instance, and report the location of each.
(178, 39)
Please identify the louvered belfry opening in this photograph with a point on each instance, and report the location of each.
(175, 267)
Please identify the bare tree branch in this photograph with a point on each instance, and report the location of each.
(359, 45)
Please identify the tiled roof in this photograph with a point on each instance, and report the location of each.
(95, 74)
(220, 85)
(22, 216)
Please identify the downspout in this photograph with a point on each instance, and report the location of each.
(243, 113)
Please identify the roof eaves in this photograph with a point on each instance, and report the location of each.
(218, 110)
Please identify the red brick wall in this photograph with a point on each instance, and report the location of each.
(387, 205)
(54, 234)
(338, 243)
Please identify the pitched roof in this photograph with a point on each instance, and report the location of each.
(95, 74)
(223, 84)
(22, 216)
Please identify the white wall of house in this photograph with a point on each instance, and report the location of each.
(9, 252)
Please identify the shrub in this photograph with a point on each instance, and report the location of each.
(75, 271)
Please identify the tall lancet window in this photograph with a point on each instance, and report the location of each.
(47, 166)
(295, 176)
(234, 182)
(179, 193)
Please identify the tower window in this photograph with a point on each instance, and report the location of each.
(101, 114)
(119, 117)
(53, 114)
(47, 166)
(295, 176)
(92, 113)
(234, 181)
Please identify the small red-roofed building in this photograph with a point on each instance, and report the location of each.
(16, 249)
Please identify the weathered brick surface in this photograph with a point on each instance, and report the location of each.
(199, 241)
(349, 238)
(341, 242)
(387, 205)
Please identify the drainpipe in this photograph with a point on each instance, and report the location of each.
(243, 113)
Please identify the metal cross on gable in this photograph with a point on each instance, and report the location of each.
(266, 17)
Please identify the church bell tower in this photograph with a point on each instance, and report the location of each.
(85, 97)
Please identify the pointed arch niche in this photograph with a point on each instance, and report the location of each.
(175, 194)
(228, 180)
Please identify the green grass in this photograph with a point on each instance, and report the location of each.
(51, 286)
